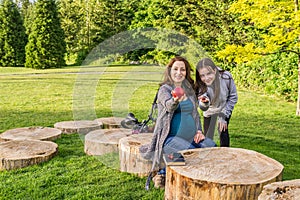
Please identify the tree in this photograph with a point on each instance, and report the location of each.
(12, 35)
(207, 22)
(279, 22)
(46, 46)
(88, 23)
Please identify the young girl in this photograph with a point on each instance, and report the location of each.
(217, 96)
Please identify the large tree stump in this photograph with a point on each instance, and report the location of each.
(130, 158)
(110, 122)
(103, 141)
(80, 126)
(22, 153)
(221, 173)
(31, 133)
(284, 190)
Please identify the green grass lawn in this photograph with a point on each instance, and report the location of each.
(43, 97)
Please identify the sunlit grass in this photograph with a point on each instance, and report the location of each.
(43, 97)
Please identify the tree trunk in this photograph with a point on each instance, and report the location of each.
(110, 122)
(31, 133)
(104, 141)
(16, 154)
(130, 158)
(285, 190)
(80, 126)
(298, 100)
(221, 174)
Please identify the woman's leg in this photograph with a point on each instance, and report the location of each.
(207, 142)
(224, 136)
(175, 144)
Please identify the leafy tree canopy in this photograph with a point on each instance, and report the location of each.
(279, 24)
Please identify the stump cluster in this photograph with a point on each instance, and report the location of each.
(26, 146)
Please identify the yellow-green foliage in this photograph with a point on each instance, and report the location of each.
(279, 22)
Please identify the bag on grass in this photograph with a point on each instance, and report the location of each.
(145, 126)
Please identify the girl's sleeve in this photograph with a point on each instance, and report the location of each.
(231, 99)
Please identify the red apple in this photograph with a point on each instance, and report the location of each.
(178, 92)
(204, 99)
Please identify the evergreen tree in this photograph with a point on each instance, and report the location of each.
(88, 23)
(26, 9)
(46, 46)
(12, 35)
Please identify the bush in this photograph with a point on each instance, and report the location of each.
(273, 74)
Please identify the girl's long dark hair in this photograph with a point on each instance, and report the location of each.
(200, 86)
(188, 83)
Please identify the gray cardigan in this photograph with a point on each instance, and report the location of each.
(227, 99)
(166, 107)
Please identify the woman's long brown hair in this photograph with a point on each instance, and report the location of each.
(188, 82)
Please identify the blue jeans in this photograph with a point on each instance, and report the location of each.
(175, 144)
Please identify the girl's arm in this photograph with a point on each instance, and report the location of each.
(232, 97)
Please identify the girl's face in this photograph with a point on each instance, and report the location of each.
(207, 75)
(178, 72)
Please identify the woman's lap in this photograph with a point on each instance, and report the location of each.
(175, 144)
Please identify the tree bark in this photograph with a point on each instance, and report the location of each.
(221, 174)
(104, 141)
(130, 158)
(31, 133)
(80, 126)
(298, 100)
(110, 122)
(16, 154)
(285, 190)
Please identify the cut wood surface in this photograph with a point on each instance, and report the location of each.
(31, 133)
(22, 153)
(283, 190)
(80, 126)
(103, 141)
(221, 173)
(110, 122)
(130, 158)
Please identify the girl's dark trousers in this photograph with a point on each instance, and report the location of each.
(209, 129)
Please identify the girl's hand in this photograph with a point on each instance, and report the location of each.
(203, 99)
(222, 125)
(199, 137)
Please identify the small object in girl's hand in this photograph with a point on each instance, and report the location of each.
(204, 99)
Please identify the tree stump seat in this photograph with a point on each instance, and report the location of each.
(110, 122)
(221, 173)
(283, 190)
(103, 141)
(34, 133)
(16, 154)
(130, 158)
(80, 126)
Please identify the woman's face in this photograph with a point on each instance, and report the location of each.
(178, 72)
(207, 75)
